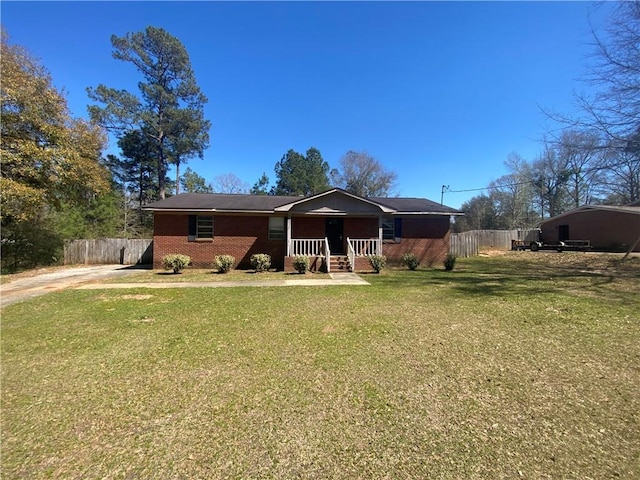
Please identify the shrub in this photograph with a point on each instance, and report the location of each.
(224, 263)
(301, 263)
(449, 261)
(176, 262)
(410, 260)
(378, 262)
(261, 262)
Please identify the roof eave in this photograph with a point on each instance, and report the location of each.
(288, 206)
(448, 214)
(179, 210)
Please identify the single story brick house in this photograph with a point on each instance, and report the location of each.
(337, 229)
(607, 227)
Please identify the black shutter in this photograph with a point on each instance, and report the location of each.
(193, 226)
(397, 227)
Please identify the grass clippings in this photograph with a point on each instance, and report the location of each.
(518, 366)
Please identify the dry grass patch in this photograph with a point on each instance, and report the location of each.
(499, 369)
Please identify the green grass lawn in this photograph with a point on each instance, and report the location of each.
(524, 365)
(210, 275)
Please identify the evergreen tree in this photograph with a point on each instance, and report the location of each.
(169, 110)
(301, 175)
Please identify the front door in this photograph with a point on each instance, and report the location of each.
(563, 232)
(334, 230)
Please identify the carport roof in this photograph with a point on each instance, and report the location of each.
(589, 208)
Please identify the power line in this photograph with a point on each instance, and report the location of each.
(445, 188)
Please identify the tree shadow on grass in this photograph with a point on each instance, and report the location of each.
(545, 281)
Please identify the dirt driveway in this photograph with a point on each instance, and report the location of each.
(33, 284)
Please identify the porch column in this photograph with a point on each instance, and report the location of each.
(379, 235)
(288, 235)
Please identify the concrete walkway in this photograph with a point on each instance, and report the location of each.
(77, 277)
(336, 279)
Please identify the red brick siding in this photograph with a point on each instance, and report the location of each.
(606, 230)
(315, 227)
(428, 238)
(317, 264)
(308, 227)
(237, 235)
(361, 227)
(362, 265)
(244, 235)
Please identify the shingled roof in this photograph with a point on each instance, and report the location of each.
(241, 203)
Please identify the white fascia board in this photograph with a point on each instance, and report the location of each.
(288, 206)
(180, 210)
(444, 214)
(210, 210)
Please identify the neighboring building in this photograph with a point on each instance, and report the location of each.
(608, 228)
(335, 228)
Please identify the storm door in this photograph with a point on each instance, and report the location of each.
(334, 231)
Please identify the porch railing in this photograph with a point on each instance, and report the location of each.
(319, 247)
(310, 247)
(351, 254)
(363, 247)
(327, 254)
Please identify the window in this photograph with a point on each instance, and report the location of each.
(205, 227)
(200, 227)
(388, 232)
(391, 229)
(276, 228)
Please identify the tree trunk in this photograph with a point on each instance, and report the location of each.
(162, 174)
(177, 176)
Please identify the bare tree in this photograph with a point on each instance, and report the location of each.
(613, 111)
(229, 183)
(549, 180)
(479, 214)
(622, 176)
(581, 154)
(615, 108)
(512, 194)
(363, 175)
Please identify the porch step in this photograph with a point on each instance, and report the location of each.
(339, 263)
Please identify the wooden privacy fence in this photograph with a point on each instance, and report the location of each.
(468, 244)
(464, 245)
(121, 251)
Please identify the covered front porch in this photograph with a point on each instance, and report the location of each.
(318, 249)
(329, 244)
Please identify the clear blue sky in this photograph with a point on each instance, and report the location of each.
(439, 92)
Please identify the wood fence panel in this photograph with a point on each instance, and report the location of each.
(464, 244)
(468, 244)
(121, 251)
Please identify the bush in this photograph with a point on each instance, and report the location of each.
(449, 261)
(410, 260)
(224, 263)
(261, 262)
(301, 263)
(176, 262)
(378, 262)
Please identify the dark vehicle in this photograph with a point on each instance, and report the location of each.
(536, 244)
